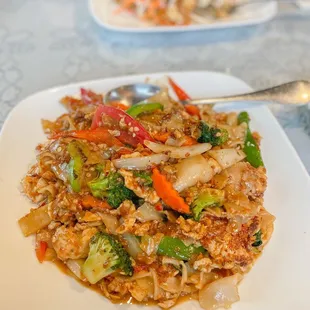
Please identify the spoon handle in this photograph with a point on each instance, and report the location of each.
(290, 93)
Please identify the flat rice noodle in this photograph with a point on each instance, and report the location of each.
(221, 293)
(227, 157)
(35, 220)
(192, 170)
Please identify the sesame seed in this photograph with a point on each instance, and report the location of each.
(59, 149)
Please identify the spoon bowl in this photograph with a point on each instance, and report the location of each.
(131, 94)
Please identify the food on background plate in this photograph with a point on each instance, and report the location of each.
(176, 12)
(150, 204)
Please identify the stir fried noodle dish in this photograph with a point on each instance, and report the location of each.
(177, 12)
(150, 204)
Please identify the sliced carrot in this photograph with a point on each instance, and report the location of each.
(98, 135)
(90, 201)
(181, 94)
(192, 110)
(124, 151)
(167, 193)
(41, 250)
(161, 136)
(188, 140)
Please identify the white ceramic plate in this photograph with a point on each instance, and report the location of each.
(278, 281)
(103, 11)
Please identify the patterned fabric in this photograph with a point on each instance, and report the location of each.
(48, 43)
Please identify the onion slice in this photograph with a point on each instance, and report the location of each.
(179, 152)
(140, 163)
(227, 157)
(147, 212)
(75, 266)
(220, 293)
(133, 246)
(192, 170)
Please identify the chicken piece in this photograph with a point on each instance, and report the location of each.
(131, 182)
(64, 207)
(227, 247)
(242, 177)
(191, 228)
(127, 210)
(118, 285)
(203, 264)
(71, 244)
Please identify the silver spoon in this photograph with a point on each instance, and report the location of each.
(131, 94)
(292, 93)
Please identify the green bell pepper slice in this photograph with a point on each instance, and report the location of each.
(175, 247)
(251, 149)
(137, 109)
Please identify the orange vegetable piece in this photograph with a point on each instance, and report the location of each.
(181, 94)
(161, 136)
(192, 110)
(90, 201)
(189, 141)
(119, 105)
(167, 193)
(98, 135)
(41, 250)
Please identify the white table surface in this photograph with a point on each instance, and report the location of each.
(54, 42)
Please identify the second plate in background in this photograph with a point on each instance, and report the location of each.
(250, 14)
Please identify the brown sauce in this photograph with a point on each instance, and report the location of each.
(128, 300)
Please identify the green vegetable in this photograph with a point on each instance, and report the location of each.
(243, 117)
(175, 247)
(251, 148)
(75, 167)
(145, 176)
(117, 195)
(258, 240)
(106, 255)
(214, 136)
(137, 109)
(209, 198)
(111, 187)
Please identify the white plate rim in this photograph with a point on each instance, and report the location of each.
(159, 29)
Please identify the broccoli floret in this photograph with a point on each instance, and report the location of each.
(112, 188)
(214, 136)
(258, 239)
(105, 256)
(118, 194)
(209, 198)
(145, 176)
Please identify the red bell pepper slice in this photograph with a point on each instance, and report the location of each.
(181, 94)
(98, 135)
(135, 130)
(89, 97)
(41, 250)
